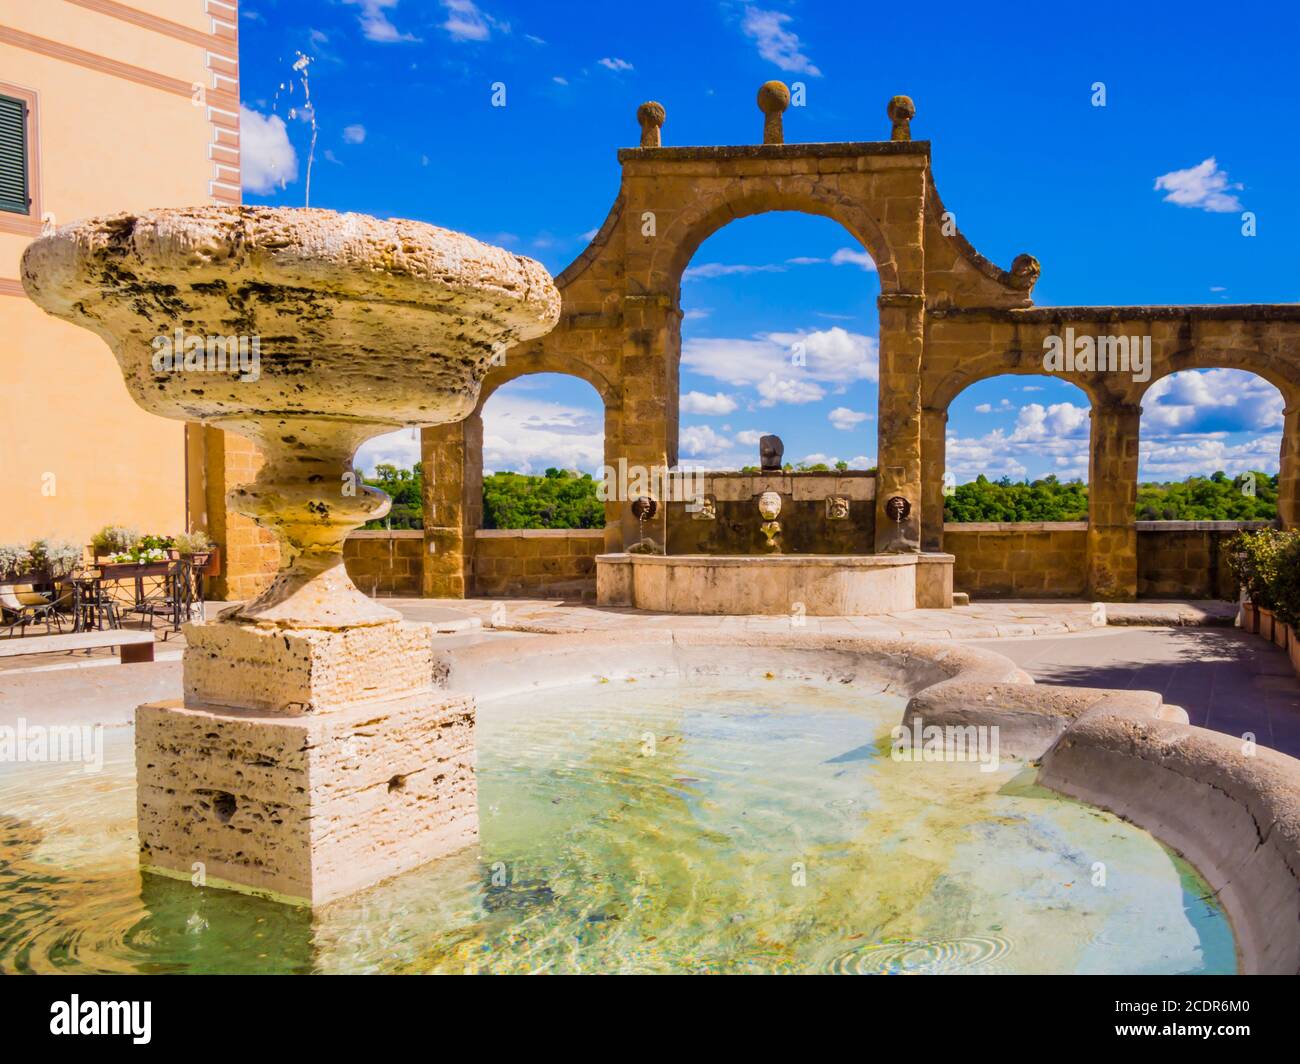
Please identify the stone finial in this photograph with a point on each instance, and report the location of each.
(901, 111)
(651, 115)
(773, 99)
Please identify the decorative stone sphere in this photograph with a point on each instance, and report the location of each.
(1025, 270)
(773, 97)
(769, 505)
(901, 108)
(651, 113)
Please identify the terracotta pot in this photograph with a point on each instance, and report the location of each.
(1249, 618)
(1266, 623)
(208, 562)
(1293, 651)
(1281, 633)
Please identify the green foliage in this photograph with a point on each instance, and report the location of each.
(1214, 498)
(560, 499)
(1048, 499)
(15, 560)
(56, 558)
(406, 488)
(1267, 564)
(112, 539)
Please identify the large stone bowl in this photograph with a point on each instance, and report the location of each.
(361, 326)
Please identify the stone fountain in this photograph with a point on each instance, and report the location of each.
(312, 755)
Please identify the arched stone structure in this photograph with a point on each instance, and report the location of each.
(948, 318)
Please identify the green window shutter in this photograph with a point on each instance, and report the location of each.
(13, 156)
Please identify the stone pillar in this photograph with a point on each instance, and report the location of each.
(250, 556)
(1112, 502)
(452, 457)
(1288, 479)
(898, 448)
(649, 407)
(934, 443)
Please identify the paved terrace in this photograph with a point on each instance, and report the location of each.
(1187, 651)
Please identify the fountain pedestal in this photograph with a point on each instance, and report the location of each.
(312, 754)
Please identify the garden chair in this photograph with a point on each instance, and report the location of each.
(27, 606)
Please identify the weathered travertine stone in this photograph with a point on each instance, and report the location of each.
(304, 670)
(304, 808)
(336, 764)
(362, 326)
(901, 111)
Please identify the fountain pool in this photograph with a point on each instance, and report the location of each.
(721, 824)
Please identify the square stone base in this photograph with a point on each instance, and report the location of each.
(297, 671)
(304, 809)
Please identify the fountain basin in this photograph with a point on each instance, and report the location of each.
(814, 585)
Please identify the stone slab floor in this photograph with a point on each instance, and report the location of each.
(1187, 651)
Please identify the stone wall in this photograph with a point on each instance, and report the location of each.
(1176, 559)
(807, 526)
(1043, 559)
(550, 562)
(385, 563)
(1187, 559)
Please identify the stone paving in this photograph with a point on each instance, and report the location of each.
(1188, 651)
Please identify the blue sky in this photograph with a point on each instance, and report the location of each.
(1139, 201)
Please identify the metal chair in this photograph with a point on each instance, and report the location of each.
(28, 606)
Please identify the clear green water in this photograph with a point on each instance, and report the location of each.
(599, 853)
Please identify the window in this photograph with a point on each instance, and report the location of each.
(15, 194)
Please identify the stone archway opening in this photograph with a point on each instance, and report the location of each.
(1014, 487)
(779, 335)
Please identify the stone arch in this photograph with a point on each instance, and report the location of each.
(691, 227)
(1283, 374)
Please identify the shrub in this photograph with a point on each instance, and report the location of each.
(1257, 560)
(114, 539)
(56, 558)
(192, 542)
(1286, 583)
(15, 560)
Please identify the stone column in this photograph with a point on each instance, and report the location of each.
(1112, 501)
(452, 457)
(651, 353)
(902, 318)
(1288, 479)
(934, 427)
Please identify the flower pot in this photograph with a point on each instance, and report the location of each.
(1266, 623)
(1281, 633)
(1249, 618)
(1293, 651)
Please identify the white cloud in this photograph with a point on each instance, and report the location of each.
(845, 419)
(615, 64)
(267, 159)
(1057, 433)
(699, 403)
(400, 448)
(1182, 458)
(718, 269)
(777, 44)
(782, 372)
(467, 22)
(1200, 402)
(355, 134)
(375, 24)
(794, 390)
(853, 257)
(529, 435)
(559, 80)
(697, 440)
(1203, 186)
(750, 437)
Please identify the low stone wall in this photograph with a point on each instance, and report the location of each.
(1048, 559)
(1187, 559)
(997, 559)
(385, 562)
(550, 562)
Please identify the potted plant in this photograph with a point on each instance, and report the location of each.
(204, 555)
(113, 539)
(55, 559)
(15, 563)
